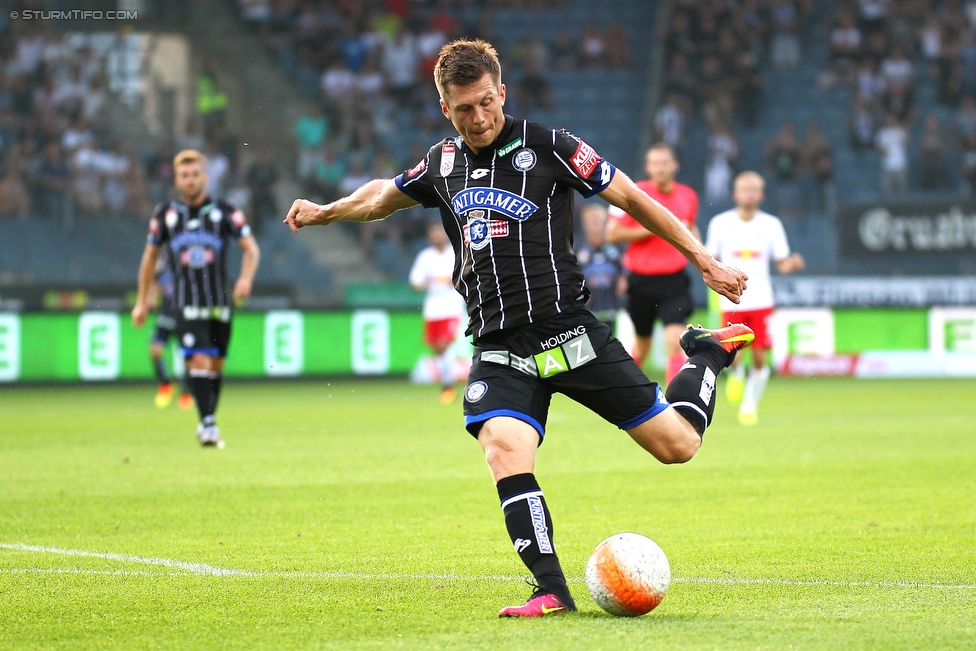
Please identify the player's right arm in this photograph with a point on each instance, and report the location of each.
(624, 193)
(375, 200)
(147, 273)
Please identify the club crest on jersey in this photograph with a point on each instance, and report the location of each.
(524, 160)
(171, 218)
(584, 159)
(216, 215)
(503, 201)
(479, 231)
(448, 150)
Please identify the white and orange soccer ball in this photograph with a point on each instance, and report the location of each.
(628, 575)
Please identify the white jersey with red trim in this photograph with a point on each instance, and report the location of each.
(750, 246)
(433, 270)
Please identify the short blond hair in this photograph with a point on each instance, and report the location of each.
(188, 156)
(749, 175)
(462, 62)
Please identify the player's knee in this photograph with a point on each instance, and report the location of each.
(682, 449)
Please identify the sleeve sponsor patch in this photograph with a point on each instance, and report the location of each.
(417, 169)
(154, 226)
(237, 217)
(585, 159)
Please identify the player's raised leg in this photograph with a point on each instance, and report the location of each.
(691, 393)
(510, 445)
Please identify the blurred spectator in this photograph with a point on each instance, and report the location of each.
(401, 59)
(784, 157)
(818, 160)
(897, 71)
(618, 46)
(720, 164)
(872, 14)
(211, 99)
(218, 169)
(262, 176)
(564, 54)
(845, 45)
(593, 47)
(681, 81)
(239, 194)
(717, 99)
(329, 173)
(862, 126)
(669, 122)
(338, 83)
(14, 201)
(54, 179)
(310, 132)
(355, 176)
(933, 172)
(965, 121)
(750, 84)
(892, 141)
(869, 85)
(784, 49)
(967, 168)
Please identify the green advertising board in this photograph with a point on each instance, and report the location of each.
(93, 346)
(103, 346)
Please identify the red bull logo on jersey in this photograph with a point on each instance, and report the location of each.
(479, 231)
(507, 203)
(748, 254)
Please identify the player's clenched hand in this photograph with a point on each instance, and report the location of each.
(303, 213)
(725, 280)
(242, 289)
(139, 315)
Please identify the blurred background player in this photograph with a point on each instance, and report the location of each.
(432, 273)
(749, 239)
(162, 291)
(600, 262)
(197, 229)
(658, 287)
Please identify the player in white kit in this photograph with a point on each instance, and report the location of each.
(749, 239)
(443, 307)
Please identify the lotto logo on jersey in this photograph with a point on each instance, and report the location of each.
(479, 231)
(585, 159)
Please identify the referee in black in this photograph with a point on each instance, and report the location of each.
(197, 229)
(505, 191)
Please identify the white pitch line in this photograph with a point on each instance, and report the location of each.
(203, 569)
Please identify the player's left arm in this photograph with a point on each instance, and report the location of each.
(624, 193)
(249, 267)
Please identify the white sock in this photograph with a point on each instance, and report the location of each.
(445, 368)
(738, 371)
(755, 386)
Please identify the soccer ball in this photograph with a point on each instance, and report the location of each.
(628, 574)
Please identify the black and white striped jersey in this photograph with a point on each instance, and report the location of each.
(508, 211)
(197, 238)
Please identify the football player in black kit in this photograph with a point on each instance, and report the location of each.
(196, 230)
(505, 191)
(165, 327)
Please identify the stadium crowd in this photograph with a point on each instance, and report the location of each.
(366, 67)
(879, 50)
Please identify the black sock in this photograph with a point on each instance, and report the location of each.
(530, 528)
(692, 391)
(215, 383)
(159, 365)
(201, 384)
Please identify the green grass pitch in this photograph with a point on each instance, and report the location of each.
(359, 514)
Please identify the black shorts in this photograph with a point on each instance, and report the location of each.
(203, 336)
(650, 298)
(165, 323)
(515, 372)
